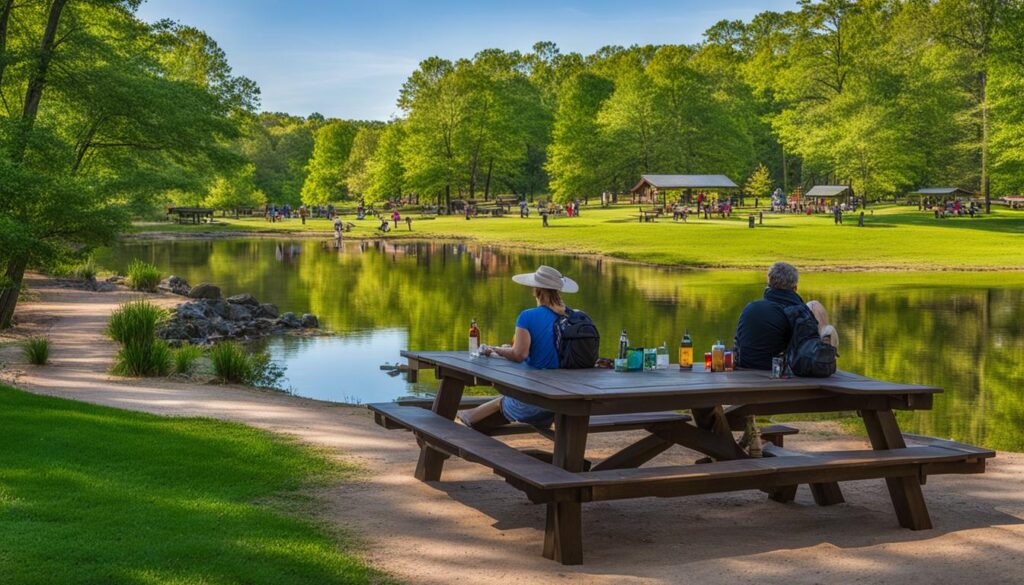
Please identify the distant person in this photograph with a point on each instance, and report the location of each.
(837, 215)
(533, 344)
(544, 217)
(395, 217)
(763, 331)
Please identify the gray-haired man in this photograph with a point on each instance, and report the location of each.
(763, 330)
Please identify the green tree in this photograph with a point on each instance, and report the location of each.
(96, 123)
(385, 168)
(357, 168)
(325, 182)
(760, 182)
(236, 191)
(577, 152)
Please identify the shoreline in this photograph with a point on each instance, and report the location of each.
(184, 236)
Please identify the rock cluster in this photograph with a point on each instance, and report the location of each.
(208, 318)
(176, 285)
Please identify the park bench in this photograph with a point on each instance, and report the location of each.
(648, 215)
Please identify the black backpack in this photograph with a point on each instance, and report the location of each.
(807, 355)
(576, 339)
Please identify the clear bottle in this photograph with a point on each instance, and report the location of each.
(686, 352)
(623, 344)
(474, 338)
(662, 356)
(718, 357)
(753, 433)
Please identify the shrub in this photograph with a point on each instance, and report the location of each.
(134, 326)
(185, 358)
(143, 276)
(233, 364)
(37, 350)
(85, 270)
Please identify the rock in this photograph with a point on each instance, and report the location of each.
(116, 279)
(244, 299)
(219, 308)
(204, 291)
(290, 320)
(238, 312)
(192, 310)
(269, 310)
(175, 285)
(310, 321)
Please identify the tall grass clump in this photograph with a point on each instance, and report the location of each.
(85, 270)
(185, 358)
(134, 325)
(37, 350)
(143, 276)
(232, 364)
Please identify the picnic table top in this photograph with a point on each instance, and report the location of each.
(599, 384)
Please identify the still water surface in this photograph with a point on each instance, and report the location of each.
(963, 332)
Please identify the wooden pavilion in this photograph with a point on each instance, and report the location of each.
(650, 186)
(829, 192)
(944, 193)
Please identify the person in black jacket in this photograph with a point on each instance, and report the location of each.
(763, 331)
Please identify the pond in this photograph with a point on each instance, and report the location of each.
(961, 331)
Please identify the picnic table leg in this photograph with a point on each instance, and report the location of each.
(563, 533)
(446, 404)
(907, 498)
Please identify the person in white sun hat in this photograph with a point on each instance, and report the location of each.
(534, 344)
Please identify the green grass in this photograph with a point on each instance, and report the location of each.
(134, 325)
(143, 276)
(91, 494)
(185, 358)
(233, 364)
(894, 238)
(36, 350)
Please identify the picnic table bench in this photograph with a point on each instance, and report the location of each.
(591, 401)
(648, 215)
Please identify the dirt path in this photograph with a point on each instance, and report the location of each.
(476, 529)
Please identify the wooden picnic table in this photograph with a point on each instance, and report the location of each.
(600, 400)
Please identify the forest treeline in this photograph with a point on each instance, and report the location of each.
(104, 117)
(884, 95)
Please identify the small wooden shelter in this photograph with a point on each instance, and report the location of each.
(943, 193)
(829, 192)
(650, 186)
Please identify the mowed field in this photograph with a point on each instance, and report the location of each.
(893, 238)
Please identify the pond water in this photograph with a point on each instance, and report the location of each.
(961, 331)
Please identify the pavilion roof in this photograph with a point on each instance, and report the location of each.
(686, 182)
(941, 191)
(829, 191)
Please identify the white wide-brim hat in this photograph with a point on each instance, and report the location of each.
(547, 277)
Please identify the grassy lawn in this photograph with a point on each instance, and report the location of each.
(900, 238)
(97, 495)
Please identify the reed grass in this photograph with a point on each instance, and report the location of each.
(143, 276)
(134, 325)
(37, 350)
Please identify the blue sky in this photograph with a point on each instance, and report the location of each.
(349, 59)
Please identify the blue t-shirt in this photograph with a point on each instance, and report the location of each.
(540, 322)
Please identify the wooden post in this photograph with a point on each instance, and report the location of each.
(446, 404)
(905, 492)
(563, 533)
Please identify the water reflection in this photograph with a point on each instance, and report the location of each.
(964, 332)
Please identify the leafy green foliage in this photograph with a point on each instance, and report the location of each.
(760, 183)
(36, 350)
(142, 276)
(237, 191)
(326, 181)
(134, 325)
(127, 493)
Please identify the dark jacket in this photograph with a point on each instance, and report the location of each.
(763, 330)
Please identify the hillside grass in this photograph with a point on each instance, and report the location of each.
(90, 494)
(894, 238)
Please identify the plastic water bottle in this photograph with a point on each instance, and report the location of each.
(662, 356)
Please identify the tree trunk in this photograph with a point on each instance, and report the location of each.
(487, 182)
(9, 293)
(37, 80)
(5, 17)
(983, 78)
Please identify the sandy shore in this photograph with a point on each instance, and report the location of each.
(473, 528)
